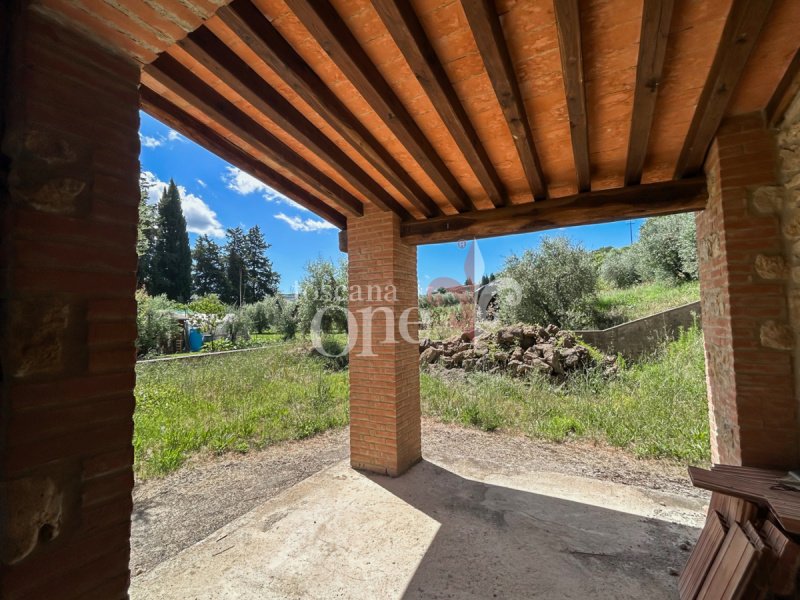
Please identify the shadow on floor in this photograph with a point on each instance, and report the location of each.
(497, 542)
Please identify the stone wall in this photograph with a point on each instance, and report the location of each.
(69, 193)
(642, 336)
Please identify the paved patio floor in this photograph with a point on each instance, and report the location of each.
(443, 530)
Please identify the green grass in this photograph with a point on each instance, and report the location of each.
(656, 409)
(621, 305)
(232, 403)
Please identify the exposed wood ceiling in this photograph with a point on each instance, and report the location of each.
(458, 111)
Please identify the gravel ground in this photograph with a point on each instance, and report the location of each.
(183, 508)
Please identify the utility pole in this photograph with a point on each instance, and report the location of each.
(240, 285)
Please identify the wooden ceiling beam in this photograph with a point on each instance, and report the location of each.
(204, 47)
(172, 75)
(587, 208)
(787, 90)
(742, 28)
(405, 28)
(488, 34)
(181, 121)
(656, 20)
(332, 33)
(255, 31)
(568, 24)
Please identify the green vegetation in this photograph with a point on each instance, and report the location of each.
(621, 305)
(654, 409)
(232, 403)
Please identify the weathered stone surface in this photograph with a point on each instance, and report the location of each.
(429, 355)
(777, 335)
(771, 267)
(30, 514)
(38, 330)
(768, 200)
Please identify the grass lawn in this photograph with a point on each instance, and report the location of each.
(621, 305)
(232, 403)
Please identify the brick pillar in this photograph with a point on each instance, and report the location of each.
(68, 194)
(384, 388)
(744, 280)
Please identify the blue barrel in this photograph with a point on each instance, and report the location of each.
(195, 340)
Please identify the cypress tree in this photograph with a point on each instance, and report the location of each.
(172, 260)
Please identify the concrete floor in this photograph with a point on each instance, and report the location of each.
(455, 530)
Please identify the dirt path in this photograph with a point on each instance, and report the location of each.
(183, 508)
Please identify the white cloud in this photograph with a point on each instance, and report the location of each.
(174, 136)
(201, 183)
(150, 142)
(299, 224)
(199, 216)
(244, 184)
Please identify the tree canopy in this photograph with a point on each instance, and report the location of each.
(172, 258)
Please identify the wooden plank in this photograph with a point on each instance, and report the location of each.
(255, 31)
(488, 34)
(568, 23)
(181, 121)
(656, 20)
(332, 33)
(581, 209)
(730, 573)
(169, 73)
(705, 550)
(742, 28)
(204, 47)
(732, 509)
(405, 28)
(783, 576)
(787, 90)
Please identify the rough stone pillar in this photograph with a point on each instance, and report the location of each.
(384, 368)
(69, 195)
(745, 253)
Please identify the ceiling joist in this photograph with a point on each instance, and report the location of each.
(742, 28)
(169, 73)
(181, 121)
(407, 32)
(787, 90)
(332, 33)
(656, 20)
(488, 34)
(255, 31)
(568, 24)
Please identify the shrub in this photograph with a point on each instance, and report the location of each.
(555, 283)
(324, 288)
(154, 321)
(236, 325)
(283, 316)
(258, 314)
(621, 267)
(668, 248)
(207, 314)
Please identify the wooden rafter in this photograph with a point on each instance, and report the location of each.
(247, 22)
(568, 24)
(488, 33)
(173, 76)
(332, 33)
(656, 20)
(787, 90)
(181, 121)
(585, 208)
(405, 28)
(215, 56)
(742, 28)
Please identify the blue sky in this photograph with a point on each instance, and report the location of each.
(216, 196)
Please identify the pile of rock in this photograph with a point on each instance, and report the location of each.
(516, 350)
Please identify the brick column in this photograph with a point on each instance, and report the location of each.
(743, 237)
(69, 193)
(384, 387)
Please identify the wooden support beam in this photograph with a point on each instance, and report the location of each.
(568, 23)
(204, 47)
(169, 73)
(405, 28)
(181, 121)
(656, 20)
(343, 241)
(586, 208)
(255, 31)
(488, 34)
(787, 90)
(332, 33)
(742, 28)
